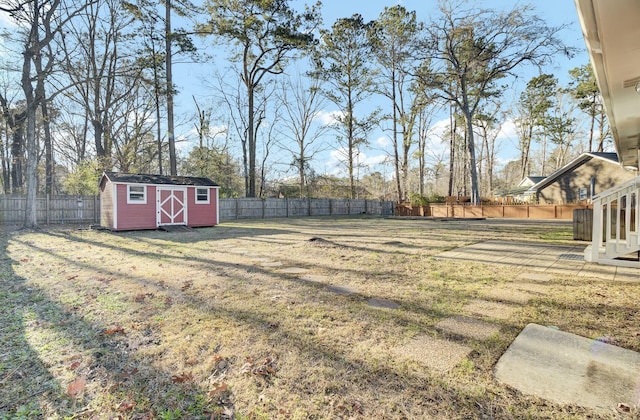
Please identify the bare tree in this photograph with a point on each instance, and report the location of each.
(41, 22)
(395, 41)
(301, 133)
(266, 35)
(472, 50)
(98, 61)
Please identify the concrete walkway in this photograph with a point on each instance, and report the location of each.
(543, 258)
(552, 364)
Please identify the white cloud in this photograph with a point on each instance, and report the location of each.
(7, 21)
(328, 117)
(383, 141)
(337, 163)
(508, 130)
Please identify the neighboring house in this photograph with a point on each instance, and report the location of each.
(141, 201)
(581, 179)
(521, 193)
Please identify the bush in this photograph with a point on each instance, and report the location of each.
(422, 200)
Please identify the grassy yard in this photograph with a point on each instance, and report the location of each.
(222, 322)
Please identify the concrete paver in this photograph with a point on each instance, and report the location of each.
(489, 309)
(271, 264)
(434, 353)
(342, 290)
(293, 270)
(315, 278)
(569, 369)
(534, 277)
(468, 327)
(507, 294)
(383, 303)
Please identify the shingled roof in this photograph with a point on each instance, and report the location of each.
(159, 179)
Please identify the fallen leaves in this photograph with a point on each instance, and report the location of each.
(76, 387)
(126, 405)
(142, 296)
(218, 389)
(114, 330)
(182, 377)
(266, 369)
(187, 284)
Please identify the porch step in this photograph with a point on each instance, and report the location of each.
(175, 228)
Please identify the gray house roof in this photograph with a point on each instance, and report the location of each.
(158, 179)
(577, 162)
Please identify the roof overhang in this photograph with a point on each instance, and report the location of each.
(611, 30)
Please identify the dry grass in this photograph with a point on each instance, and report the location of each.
(192, 325)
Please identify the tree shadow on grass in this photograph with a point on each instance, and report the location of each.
(53, 361)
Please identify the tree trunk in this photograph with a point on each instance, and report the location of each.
(251, 192)
(17, 153)
(48, 141)
(173, 166)
(30, 219)
(452, 150)
(475, 193)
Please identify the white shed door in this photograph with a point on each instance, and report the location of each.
(171, 206)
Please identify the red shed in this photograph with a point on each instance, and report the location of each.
(141, 201)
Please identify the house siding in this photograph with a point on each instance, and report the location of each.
(567, 187)
(136, 216)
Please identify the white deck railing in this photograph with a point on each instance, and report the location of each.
(616, 224)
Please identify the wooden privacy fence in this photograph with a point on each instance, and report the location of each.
(523, 211)
(86, 209)
(255, 208)
(51, 209)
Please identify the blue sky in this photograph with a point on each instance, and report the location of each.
(194, 79)
(554, 12)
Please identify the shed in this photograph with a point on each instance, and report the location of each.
(142, 201)
(579, 180)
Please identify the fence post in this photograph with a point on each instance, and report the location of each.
(330, 207)
(95, 209)
(237, 209)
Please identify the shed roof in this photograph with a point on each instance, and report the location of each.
(158, 179)
(577, 162)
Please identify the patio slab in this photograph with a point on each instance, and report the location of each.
(569, 369)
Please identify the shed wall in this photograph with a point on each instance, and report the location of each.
(136, 216)
(202, 214)
(106, 205)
